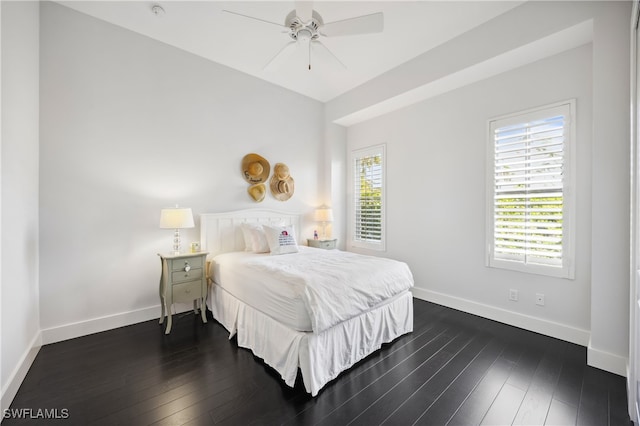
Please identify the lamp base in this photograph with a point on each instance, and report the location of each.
(176, 242)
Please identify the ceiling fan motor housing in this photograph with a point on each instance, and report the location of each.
(299, 30)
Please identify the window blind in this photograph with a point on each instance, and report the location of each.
(368, 196)
(529, 166)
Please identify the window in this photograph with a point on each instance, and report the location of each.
(367, 218)
(531, 191)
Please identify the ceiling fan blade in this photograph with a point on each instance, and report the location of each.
(365, 24)
(280, 57)
(324, 52)
(254, 18)
(304, 10)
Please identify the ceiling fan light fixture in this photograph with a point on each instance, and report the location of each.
(304, 35)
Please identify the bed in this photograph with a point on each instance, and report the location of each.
(286, 309)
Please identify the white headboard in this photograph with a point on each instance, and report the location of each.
(221, 233)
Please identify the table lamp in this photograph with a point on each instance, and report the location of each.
(177, 219)
(324, 214)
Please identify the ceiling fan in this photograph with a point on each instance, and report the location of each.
(305, 27)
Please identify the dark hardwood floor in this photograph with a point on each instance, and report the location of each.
(455, 369)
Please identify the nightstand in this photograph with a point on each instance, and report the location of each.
(323, 244)
(183, 280)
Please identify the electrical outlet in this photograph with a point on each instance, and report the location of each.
(540, 299)
(513, 295)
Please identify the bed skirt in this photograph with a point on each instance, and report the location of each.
(320, 357)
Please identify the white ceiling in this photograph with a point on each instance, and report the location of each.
(200, 27)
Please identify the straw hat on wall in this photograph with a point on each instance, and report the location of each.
(255, 169)
(282, 184)
(257, 192)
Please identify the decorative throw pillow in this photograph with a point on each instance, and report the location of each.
(281, 239)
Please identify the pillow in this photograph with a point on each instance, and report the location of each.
(281, 239)
(246, 234)
(254, 238)
(259, 242)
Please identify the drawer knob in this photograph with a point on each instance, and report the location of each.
(187, 267)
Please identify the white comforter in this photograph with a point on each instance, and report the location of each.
(336, 285)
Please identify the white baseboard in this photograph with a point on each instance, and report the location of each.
(96, 325)
(606, 361)
(71, 331)
(596, 358)
(527, 322)
(20, 372)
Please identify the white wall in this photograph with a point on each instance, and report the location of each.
(609, 344)
(445, 247)
(20, 336)
(335, 164)
(129, 126)
(436, 197)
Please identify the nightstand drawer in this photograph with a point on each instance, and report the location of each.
(323, 244)
(326, 244)
(186, 292)
(180, 264)
(180, 276)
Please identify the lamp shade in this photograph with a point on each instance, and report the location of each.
(176, 218)
(323, 214)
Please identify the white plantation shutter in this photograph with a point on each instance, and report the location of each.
(530, 208)
(368, 198)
